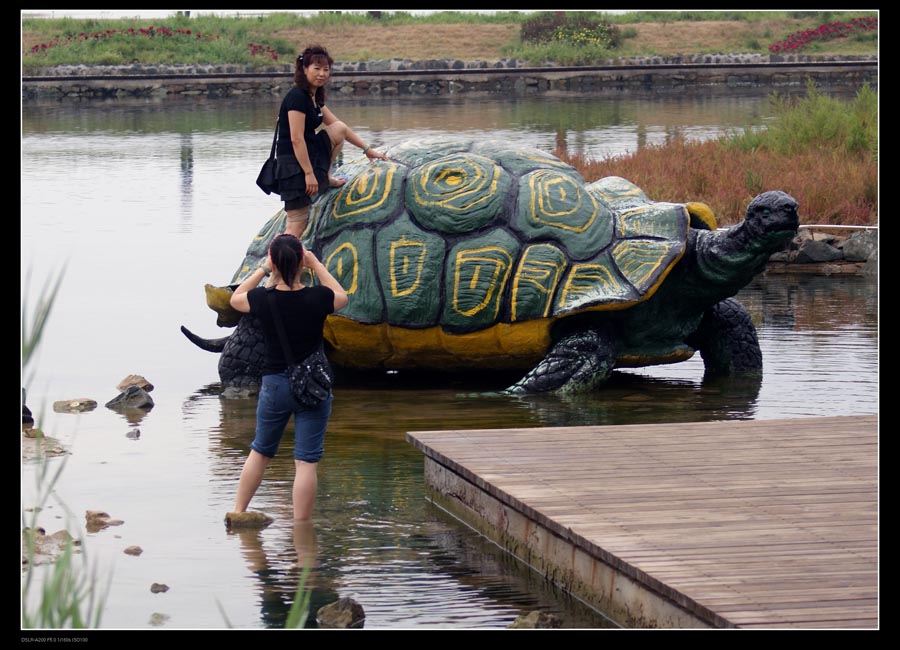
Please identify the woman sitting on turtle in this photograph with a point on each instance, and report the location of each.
(310, 137)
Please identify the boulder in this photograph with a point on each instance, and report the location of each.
(860, 246)
(133, 397)
(75, 405)
(135, 380)
(343, 614)
(40, 548)
(812, 251)
(96, 520)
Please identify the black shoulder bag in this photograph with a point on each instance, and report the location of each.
(310, 379)
(266, 180)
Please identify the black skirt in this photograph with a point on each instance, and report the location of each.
(290, 176)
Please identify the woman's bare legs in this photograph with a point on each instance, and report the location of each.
(337, 133)
(304, 492)
(296, 221)
(251, 477)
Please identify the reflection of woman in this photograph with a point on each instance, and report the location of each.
(277, 581)
(303, 311)
(309, 139)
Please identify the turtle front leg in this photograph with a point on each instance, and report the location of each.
(578, 362)
(727, 341)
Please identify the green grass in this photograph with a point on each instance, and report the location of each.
(229, 39)
(817, 121)
(560, 54)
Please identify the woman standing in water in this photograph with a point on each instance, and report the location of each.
(310, 137)
(302, 311)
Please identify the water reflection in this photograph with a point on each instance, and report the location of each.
(187, 176)
(590, 125)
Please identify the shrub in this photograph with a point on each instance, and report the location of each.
(818, 120)
(579, 30)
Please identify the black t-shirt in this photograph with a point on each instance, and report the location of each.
(303, 313)
(297, 100)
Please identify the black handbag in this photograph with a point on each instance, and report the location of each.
(310, 379)
(267, 180)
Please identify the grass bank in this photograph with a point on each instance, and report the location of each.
(359, 36)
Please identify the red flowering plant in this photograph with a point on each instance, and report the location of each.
(150, 31)
(260, 49)
(151, 44)
(823, 33)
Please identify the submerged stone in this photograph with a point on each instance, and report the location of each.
(247, 520)
(344, 613)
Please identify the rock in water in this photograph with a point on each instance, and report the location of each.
(345, 613)
(247, 520)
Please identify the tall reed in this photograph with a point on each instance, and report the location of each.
(68, 595)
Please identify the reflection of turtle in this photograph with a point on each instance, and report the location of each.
(462, 255)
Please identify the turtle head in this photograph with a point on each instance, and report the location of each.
(771, 220)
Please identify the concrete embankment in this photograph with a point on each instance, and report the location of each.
(728, 72)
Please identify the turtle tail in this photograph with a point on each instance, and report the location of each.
(210, 345)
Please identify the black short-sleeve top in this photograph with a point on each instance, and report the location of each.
(297, 100)
(303, 313)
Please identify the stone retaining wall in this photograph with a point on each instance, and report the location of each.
(405, 77)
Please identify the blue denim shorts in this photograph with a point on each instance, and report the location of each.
(274, 409)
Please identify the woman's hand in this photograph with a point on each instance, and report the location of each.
(371, 154)
(312, 183)
(309, 258)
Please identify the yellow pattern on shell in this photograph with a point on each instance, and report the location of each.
(473, 260)
(596, 281)
(362, 193)
(412, 253)
(540, 275)
(465, 178)
(339, 258)
(542, 186)
(638, 259)
(664, 220)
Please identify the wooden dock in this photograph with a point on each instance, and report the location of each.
(749, 524)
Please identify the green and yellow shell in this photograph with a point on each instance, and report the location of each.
(458, 253)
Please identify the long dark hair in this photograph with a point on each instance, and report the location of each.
(287, 256)
(309, 56)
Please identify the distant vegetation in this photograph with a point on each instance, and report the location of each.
(571, 38)
(821, 150)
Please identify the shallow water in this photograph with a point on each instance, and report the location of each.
(147, 205)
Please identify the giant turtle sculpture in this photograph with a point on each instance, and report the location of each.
(460, 254)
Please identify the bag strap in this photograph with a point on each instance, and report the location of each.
(275, 137)
(288, 355)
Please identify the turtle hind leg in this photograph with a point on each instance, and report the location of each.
(578, 362)
(726, 339)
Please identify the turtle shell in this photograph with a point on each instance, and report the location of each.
(462, 253)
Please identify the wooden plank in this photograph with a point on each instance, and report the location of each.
(764, 522)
